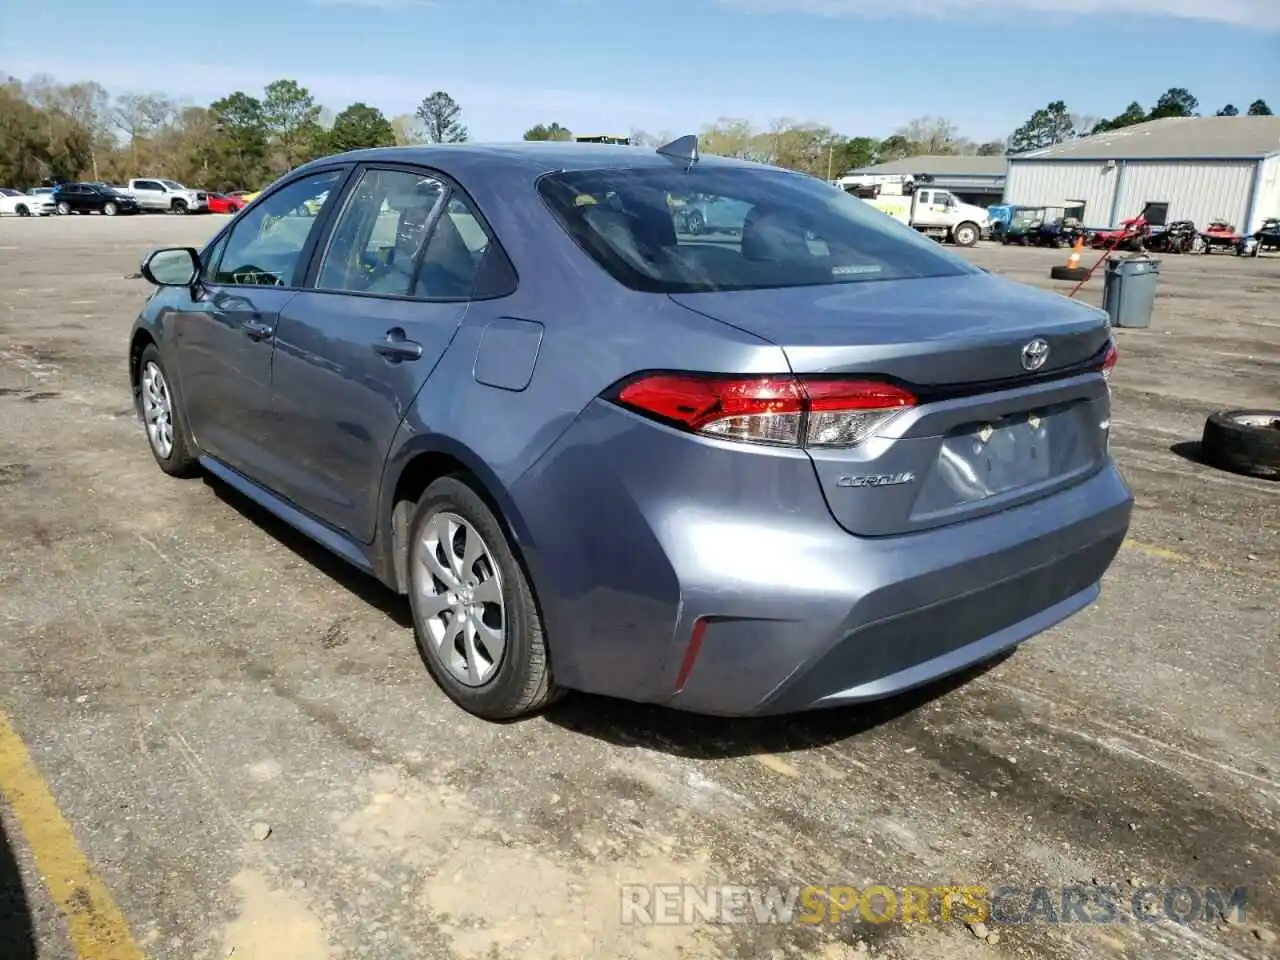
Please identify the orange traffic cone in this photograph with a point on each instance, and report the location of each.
(1073, 261)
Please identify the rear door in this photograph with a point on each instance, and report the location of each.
(226, 331)
(389, 293)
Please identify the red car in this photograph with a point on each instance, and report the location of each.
(222, 203)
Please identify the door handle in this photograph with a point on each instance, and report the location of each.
(395, 347)
(257, 330)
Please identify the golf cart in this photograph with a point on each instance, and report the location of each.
(1048, 226)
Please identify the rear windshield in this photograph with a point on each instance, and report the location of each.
(735, 228)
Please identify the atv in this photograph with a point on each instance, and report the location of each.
(1180, 236)
(1268, 235)
(1220, 235)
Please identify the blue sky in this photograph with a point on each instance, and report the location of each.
(671, 65)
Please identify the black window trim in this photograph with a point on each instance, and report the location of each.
(451, 187)
(337, 195)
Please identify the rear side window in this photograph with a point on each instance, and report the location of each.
(380, 235)
(662, 230)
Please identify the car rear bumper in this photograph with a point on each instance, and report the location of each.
(643, 540)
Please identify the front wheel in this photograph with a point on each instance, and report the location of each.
(966, 234)
(179, 208)
(110, 209)
(474, 615)
(163, 419)
(22, 211)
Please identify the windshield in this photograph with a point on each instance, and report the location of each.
(662, 230)
(173, 185)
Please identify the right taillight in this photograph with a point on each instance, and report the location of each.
(779, 410)
(1109, 359)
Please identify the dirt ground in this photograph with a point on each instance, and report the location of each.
(186, 673)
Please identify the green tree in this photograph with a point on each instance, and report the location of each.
(292, 120)
(1229, 111)
(241, 139)
(853, 153)
(550, 131)
(360, 126)
(1046, 127)
(896, 147)
(21, 139)
(1259, 108)
(992, 148)
(440, 117)
(1133, 113)
(1174, 102)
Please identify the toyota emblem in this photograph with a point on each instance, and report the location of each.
(1034, 354)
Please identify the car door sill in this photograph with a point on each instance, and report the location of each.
(304, 523)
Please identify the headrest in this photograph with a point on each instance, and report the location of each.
(639, 232)
(773, 235)
(411, 196)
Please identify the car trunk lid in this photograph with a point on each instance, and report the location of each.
(1010, 405)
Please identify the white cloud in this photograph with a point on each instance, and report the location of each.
(1258, 14)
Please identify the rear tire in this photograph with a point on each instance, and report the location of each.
(475, 618)
(966, 234)
(1243, 441)
(64, 209)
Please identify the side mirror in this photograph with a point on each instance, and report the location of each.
(171, 267)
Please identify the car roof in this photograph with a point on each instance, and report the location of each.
(523, 159)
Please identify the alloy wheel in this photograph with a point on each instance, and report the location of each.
(157, 410)
(458, 587)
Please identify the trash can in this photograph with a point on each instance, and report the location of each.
(1129, 290)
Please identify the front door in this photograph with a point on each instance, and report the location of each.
(226, 332)
(353, 353)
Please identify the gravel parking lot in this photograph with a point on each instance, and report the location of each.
(254, 762)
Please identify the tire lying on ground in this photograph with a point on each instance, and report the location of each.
(1243, 441)
(1074, 274)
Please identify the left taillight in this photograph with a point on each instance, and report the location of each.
(778, 410)
(1109, 359)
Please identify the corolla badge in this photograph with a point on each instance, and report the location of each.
(1034, 354)
(874, 479)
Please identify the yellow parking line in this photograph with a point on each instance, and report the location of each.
(1160, 553)
(96, 927)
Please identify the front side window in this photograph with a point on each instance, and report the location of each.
(786, 230)
(146, 185)
(267, 242)
(376, 244)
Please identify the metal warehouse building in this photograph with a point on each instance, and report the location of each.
(977, 180)
(1204, 168)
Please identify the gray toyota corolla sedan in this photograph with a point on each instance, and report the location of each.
(811, 460)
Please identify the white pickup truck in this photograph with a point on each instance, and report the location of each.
(931, 210)
(166, 195)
